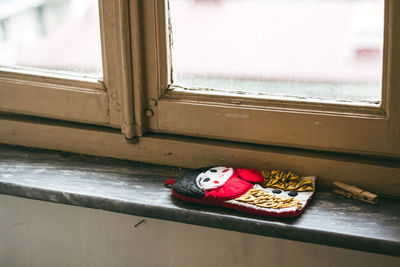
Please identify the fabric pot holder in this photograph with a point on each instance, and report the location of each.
(268, 193)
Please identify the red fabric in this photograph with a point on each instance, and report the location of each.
(203, 201)
(214, 202)
(251, 175)
(169, 181)
(241, 181)
(233, 188)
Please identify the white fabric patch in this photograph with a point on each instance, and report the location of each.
(214, 177)
(303, 197)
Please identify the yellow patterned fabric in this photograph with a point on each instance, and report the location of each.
(286, 181)
(260, 198)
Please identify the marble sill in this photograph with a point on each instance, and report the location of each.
(137, 189)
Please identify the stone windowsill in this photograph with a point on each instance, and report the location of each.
(138, 189)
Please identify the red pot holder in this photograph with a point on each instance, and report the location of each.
(268, 193)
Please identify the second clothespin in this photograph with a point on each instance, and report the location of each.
(351, 191)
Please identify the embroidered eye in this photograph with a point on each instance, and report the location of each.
(206, 180)
(213, 170)
(276, 191)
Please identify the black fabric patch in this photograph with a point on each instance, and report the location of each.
(276, 191)
(186, 185)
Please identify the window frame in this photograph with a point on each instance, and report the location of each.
(338, 127)
(53, 96)
(75, 98)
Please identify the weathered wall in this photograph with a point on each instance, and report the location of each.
(36, 233)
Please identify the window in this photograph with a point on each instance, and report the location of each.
(62, 36)
(337, 126)
(180, 126)
(316, 51)
(51, 61)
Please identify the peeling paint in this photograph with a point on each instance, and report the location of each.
(272, 97)
(237, 116)
(171, 44)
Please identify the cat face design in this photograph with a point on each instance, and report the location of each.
(213, 178)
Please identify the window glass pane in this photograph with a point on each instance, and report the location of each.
(51, 35)
(316, 50)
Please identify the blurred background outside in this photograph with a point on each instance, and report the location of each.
(51, 35)
(319, 49)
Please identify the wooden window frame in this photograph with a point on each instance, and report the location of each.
(75, 98)
(368, 130)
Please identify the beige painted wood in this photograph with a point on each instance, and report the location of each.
(75, 98)
(135, 9)
(38, 233)
(115, 36)
(175, 92)
(375, 176)
(43, 76)
(155, 63)
(331, 127)
(46, 96)
(355, 134)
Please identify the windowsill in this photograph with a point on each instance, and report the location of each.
(138, 189)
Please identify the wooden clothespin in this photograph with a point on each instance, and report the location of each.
(351, 191)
